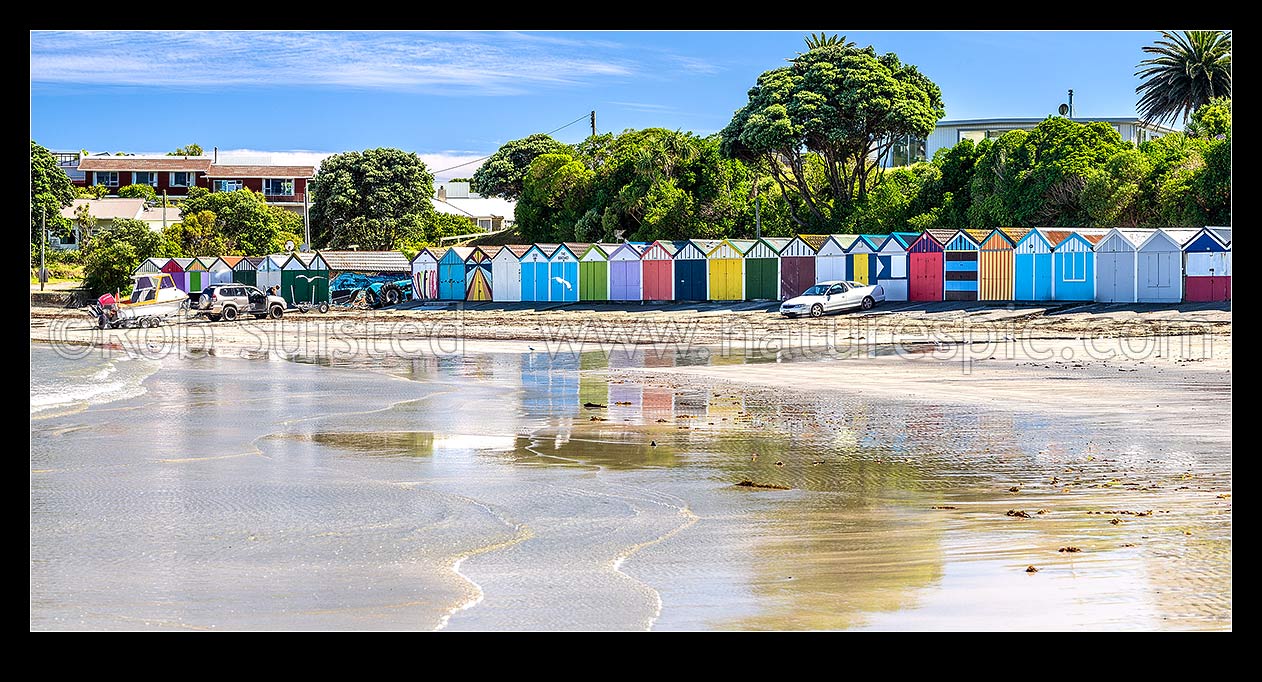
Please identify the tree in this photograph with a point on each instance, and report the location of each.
(91, 192)
(503, 174)
(1212, 120)
(438, 226)
(190, 150)
(51, 191)
(198, 234)
(245, 221)
(85, 224)
(1191, 69)
(813, 41)
(554, 196)
(841, 104)
(114, 253)
(138, 192)
(378, 199)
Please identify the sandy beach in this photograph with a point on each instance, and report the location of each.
(407, 470)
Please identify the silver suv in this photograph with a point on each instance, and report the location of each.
(230, 301)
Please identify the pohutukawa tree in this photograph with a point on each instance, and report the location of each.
(833, 112)
(1190, 69)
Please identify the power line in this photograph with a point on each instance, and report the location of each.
(466, 163)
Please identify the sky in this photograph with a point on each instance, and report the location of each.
(454, 97)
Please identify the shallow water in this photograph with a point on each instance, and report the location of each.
(477, 492)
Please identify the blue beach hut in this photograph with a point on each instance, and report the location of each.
(1032, 267)
(534, 272)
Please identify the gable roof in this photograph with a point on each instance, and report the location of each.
(106, 209)
(139, 163)
(370, 261)
(777, 243)
(518, 250)
(814, 240)
(1016, 234)
(284, 172)
(905, 238)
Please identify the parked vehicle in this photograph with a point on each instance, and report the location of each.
(833, 296)
(154, 297)
(229, 301)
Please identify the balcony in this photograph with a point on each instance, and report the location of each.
(295, 198)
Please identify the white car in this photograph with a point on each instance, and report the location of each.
(832, 296)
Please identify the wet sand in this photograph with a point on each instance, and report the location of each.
(474, 490)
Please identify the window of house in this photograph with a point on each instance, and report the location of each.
(484, 224)
(974, 135)
(278, 188)
(227, 185)
(67, 159)
(145, 178)
(1141, 136)
(182, 179)
(108, 178)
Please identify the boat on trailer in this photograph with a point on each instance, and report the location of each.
(154, 297)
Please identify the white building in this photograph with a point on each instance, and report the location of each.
(949, 132)
(106, 211)
(456, 198)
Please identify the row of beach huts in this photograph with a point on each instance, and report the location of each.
(1004, 264)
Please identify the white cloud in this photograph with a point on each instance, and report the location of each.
(439, 63)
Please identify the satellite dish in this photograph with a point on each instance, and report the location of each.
(304, 247)
(1064, 109)
(289, 245)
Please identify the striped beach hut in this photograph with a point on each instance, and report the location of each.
(268, 271)
(830, 261)
(960, 261)
(1159, 266)
(861, 258)
(221, 269)
(506, 273)
(425, 273)
(1032, 267)
(246, 270)
(925, 269)
(625, 274)
(727, 269)
(593, 272)
(1073, 264)
(563, 273)
(150, 265)
(995, 264)
(657, 273)
(534, 272)
(762, 269)
(478, 274)
(196, 272)
(797, 264)
(891, 266)
(451, 273)
(1115, 264)
(304, 278)
(692, 271)
(1207, 265)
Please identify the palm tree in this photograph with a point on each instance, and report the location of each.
(1190, 69)
(813, 41)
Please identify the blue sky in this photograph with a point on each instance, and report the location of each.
(456, 96)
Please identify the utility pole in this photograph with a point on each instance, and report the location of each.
(43, 239)
(593, 123)
(164, 210)
(306, 216)
(1071, 103)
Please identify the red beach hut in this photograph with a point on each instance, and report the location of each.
(924, 266)
(658, 262)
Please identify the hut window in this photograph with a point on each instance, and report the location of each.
(1074, 267)
(898, 267)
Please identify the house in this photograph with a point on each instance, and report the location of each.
(908, 150)
(106, 211)
(171, 174)
(69, 162)
(284, 186)
(492, 214)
